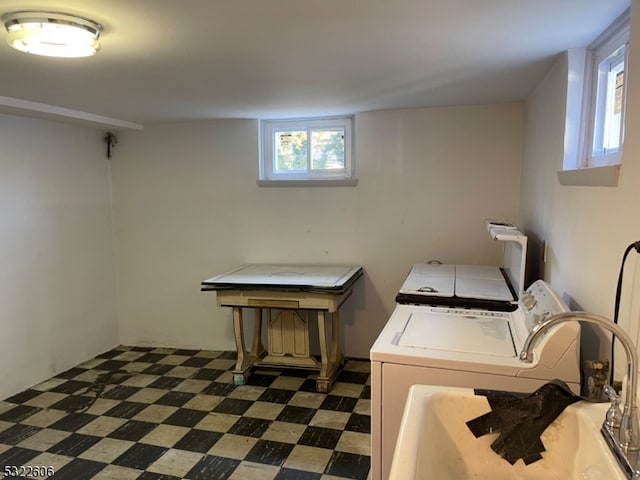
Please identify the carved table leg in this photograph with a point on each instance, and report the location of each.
(257, 348)
(245, 360)
(328, 363)
(336, 353)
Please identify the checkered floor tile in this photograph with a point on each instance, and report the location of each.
(167, 414)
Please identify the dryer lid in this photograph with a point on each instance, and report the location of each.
(482, 282)
(432, 281)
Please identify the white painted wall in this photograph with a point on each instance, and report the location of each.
(587, 228)
(186, 207)
(57, 286)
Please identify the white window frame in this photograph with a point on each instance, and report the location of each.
(592, 153)
(269, 177)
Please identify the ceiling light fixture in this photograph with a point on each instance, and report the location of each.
(52, 34)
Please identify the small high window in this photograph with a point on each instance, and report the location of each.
(312, 149)
(603, 123)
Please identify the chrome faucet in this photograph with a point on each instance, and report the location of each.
(625, 441)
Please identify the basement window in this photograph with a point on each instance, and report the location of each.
(603, 89)
(607, 61)
(307, 152)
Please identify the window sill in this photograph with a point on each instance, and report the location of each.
(606, 176)
(347, 182)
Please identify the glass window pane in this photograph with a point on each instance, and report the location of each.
(327, 149)
(613, 115)
(290, 151)
(610, 95)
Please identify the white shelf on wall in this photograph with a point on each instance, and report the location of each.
(16, 106)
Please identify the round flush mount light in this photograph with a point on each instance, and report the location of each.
(52, 34)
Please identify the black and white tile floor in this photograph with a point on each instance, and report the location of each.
(166, 414)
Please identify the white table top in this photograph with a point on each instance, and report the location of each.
(287, 276)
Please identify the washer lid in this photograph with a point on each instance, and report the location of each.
(485, 333)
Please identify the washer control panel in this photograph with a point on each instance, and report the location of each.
(539, 302)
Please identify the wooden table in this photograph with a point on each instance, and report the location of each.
(290, 296)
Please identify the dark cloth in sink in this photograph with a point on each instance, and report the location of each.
(521, 419)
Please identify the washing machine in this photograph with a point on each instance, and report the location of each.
(464, 347)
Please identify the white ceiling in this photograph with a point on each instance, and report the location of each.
(167, 60)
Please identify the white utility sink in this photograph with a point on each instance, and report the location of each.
(435, 443)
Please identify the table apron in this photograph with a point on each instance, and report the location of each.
(283, 300)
